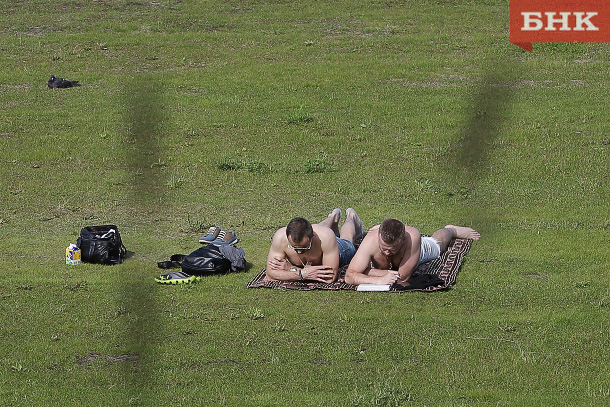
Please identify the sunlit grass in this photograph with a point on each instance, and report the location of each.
(245, 114)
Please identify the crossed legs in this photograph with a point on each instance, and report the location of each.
(352, 227)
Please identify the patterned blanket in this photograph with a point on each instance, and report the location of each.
(435, 275)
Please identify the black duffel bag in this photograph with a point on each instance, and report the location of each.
(101, 245)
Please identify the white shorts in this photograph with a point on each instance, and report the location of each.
(430, 249)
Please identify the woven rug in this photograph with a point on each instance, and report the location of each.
(439, 274)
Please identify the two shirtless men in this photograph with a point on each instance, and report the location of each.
(388, 254)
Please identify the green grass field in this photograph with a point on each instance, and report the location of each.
(245, 114)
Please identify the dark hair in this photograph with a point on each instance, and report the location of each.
(298, 229)
(392, 230)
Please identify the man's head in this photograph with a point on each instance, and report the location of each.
(392, 231)
(299, 233)
(391, 236)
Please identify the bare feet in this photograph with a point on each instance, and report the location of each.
(464, 232)
(351, 214)
(332, 221)
(335, 215)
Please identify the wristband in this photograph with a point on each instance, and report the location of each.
(300, 273)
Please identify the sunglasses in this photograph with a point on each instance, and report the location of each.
(300, 248)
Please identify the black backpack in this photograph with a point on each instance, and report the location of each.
(101, 245)
(205, 260)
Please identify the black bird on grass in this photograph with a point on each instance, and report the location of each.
(61, 83)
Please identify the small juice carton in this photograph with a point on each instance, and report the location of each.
(72, 254)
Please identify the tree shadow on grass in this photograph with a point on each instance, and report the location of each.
(470, 163)
(144, 117)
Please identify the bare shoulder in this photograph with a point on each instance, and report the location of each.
(279, 237)
(324, 233)
(371, 239)
(278, 244)
(413, 235)
(411, 230)
(373, 233)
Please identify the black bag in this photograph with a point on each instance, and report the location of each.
(206, 260)
(101, 245)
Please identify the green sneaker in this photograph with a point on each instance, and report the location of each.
(177, 277)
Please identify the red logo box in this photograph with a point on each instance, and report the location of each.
(558, 21)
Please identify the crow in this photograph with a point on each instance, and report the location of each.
(61, 83)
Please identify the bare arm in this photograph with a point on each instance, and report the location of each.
(278, 266)
(410, 260)
(330, 257)
(359, 270)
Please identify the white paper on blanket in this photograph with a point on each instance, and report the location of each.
(373, 287)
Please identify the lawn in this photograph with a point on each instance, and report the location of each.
(245, 114)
